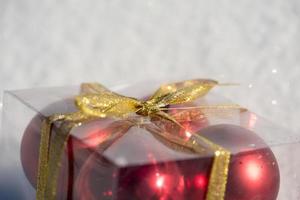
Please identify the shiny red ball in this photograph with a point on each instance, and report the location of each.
(253, 172)
(75, 154)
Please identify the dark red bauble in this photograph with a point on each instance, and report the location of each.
(253, 171)
(185, 179)
(80, 145)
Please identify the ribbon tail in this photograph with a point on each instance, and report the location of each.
(42, 174)
(49, 152)
(218, 176)
(55, 155)
(219, 173)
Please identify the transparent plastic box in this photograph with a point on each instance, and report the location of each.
(140, 165)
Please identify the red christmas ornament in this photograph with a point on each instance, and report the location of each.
(79, 147)
(253, 172)
(168, 180)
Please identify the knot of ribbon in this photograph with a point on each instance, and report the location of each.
(96, 101)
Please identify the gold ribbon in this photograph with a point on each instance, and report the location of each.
(96, 102)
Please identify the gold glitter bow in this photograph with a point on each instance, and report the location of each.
(96, 102)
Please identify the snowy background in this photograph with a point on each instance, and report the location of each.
(253, 42)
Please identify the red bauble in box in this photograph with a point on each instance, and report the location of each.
(80, 145)
(253, 173)
(138, 166)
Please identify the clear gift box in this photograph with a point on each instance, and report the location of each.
(140, 165)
